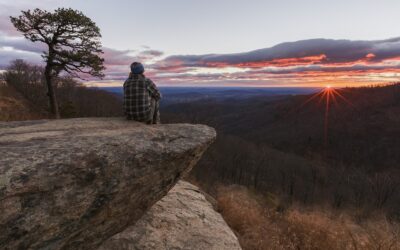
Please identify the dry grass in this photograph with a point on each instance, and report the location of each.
(259, 226)
(14, 107)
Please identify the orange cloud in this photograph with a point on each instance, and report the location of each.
(281, 62)
(370, 55)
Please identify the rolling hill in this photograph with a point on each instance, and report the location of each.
(362, 126)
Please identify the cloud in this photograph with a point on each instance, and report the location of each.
(303, 62)
(151, 53)
(305, 52)
(117, 57)
(20, 43)
(314, 60)
(117, 62)
(6, 56)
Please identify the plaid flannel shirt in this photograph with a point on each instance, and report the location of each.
(138, 92)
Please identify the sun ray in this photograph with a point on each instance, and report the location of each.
(312, 98)
(343, 98)
(326, 123)
(324, 94)
(328, 97)
(333, 97)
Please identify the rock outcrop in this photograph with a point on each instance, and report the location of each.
(183, 219)
(71, 184)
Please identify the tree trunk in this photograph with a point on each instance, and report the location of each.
(51, 93)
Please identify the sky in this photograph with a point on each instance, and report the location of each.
(232, 43)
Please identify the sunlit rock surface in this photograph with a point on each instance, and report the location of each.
(183, 219)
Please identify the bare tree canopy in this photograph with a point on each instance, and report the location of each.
(73, 42)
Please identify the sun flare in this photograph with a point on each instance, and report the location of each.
(328, 96)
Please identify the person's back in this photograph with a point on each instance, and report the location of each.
(141, 97)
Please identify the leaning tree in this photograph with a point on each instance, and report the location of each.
(73, 42)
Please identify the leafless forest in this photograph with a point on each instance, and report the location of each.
(74, 99)
(282, 147)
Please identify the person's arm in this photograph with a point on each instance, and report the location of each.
(124, 98)
(152, 88)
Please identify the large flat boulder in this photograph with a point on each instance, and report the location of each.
(71, 184)
(183, 220)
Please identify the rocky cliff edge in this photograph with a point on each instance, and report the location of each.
(184, 219)
(72, 184)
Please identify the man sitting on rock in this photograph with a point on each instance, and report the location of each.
(141, 97)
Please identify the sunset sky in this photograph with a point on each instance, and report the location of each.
(233, 43)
